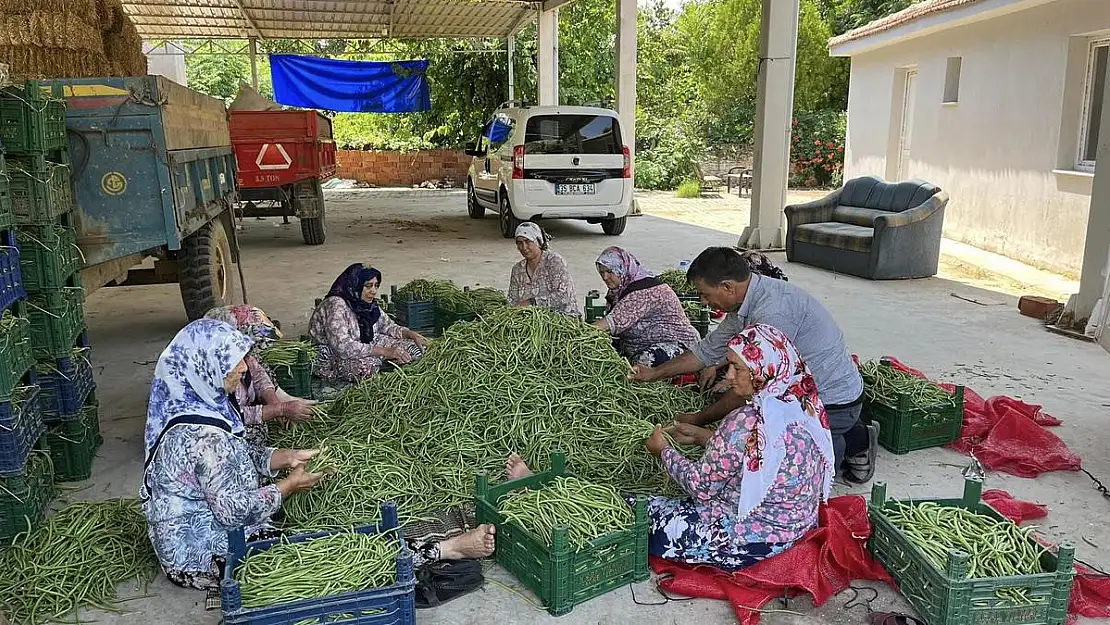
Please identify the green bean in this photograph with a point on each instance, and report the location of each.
(321, 567)
(286, 353)
(421, 289)
(676, 279)
(884, 384)
(76, 559)
(520, 380)
(589, 511)
(995, 548)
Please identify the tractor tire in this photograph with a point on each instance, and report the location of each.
(614, 227)
(313, 230)
(204, 270)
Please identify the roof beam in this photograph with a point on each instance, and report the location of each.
(549, 5)
(250, 22)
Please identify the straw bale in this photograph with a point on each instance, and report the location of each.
(49, 30)
(83, 8)
(32, 62)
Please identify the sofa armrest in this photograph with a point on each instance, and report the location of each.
(816, 211)
(913, 215)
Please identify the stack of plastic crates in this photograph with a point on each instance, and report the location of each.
(33, 128)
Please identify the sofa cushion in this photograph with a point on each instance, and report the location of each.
(895, 197)
(847, 237)
(857, 216)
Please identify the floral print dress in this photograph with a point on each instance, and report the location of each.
(650, 325)
(342, 356)
(549, 286)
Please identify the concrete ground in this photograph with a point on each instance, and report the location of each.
(987, 345)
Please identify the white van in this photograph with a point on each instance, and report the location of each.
(551, 162)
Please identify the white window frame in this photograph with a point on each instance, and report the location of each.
(1085, 120)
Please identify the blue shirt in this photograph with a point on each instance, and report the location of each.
(806, 322)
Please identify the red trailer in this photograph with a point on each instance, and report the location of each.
(283, 156)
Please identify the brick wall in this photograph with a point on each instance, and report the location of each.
(403, 169)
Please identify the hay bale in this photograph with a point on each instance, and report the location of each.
(86, 9)
(125, 50)
(49, 30)
(36, 63)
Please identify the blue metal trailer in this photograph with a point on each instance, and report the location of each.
(154, 176)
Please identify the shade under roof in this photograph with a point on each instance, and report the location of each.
(327, 19)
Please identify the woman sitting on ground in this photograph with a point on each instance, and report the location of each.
(542, 278)
(356, 337)
(643, 313)
(201, 478)
(259, 399)
(765, 470)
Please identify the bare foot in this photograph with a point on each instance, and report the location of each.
(477, 543)
(515, 467)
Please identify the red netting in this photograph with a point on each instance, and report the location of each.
(822, 564)
(830, 557)
(1008, 435)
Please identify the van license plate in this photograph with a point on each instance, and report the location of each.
(575, 189)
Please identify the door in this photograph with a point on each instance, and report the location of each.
(574, 160)
(905, 135)
(496, 133)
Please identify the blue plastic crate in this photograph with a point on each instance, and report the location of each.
(11, 278)
(395, 605)
(19, 429)
(64, 385)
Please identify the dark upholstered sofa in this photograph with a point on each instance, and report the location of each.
(870, 228)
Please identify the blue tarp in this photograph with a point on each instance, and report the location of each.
(350, 86)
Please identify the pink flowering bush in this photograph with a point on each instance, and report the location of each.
(817, 149)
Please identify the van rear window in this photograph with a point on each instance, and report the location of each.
(573, 134)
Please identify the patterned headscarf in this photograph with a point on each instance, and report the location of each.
(625, 266)
(189, 377)
(348, 286)
(249, 320)
(532, 232)
(785, 394)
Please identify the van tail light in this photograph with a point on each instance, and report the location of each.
(518, 162)
(627, 172)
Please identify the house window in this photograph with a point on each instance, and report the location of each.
(1093, 91)
(952, 80)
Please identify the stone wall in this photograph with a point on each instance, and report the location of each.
(403, 169)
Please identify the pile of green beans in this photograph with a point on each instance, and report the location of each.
(477, 301)
(321, 567)
(7, 321)
(520, 380)
(285, 353)
(422, 289)
(589, 511)
(676, 279)
(995, 548)
(76, 559)
(884, 384)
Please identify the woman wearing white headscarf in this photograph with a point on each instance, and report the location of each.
(542, 278)
(200, 477)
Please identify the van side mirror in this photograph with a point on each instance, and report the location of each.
(475, 152)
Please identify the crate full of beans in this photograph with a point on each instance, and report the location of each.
(566, 539)
(960, 562)
(362, 576)
(913, 413)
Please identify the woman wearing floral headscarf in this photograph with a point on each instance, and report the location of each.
(643, 313)
(355, 335)
(258, 398)
(542, 278)
(765, 470)
(200, 478)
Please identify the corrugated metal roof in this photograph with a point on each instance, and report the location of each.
(326, 19)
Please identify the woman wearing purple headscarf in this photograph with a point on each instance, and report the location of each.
(354, 335)
(642, 313)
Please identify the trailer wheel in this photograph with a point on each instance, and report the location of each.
(204, 269)
(313, 230)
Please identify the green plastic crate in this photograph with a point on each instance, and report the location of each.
(16, 356)
(24, 498)
(41, 191)
(57, 320)
(5, 195)
(561, 577)
(905, 427)
(32, 120)
(594, 311)
(445, 320)
(946, 597)
(49, 257)
(296, 379)
(73, 444)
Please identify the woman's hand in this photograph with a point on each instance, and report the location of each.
(419, 339)
(688, 434)
(291, 458)
(398, 355)
(706, 377)
(297, 410)
(656, 443)
(298, 480)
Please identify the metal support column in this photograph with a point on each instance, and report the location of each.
(1095, 273)
(254, 62)
(626, 71)
(778, 43)
(510, 45)
(547, 57)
